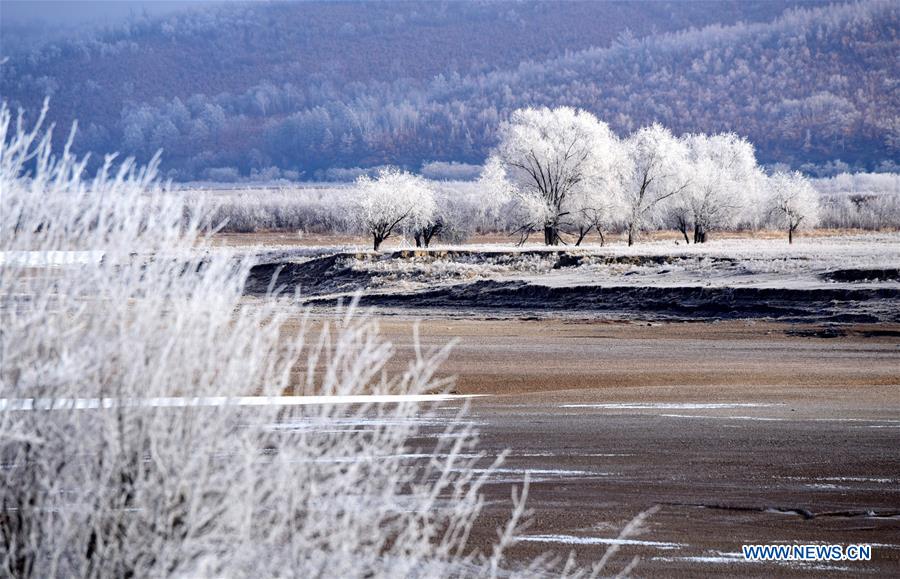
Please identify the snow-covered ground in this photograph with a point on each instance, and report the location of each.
(839, 279)
(41, 259)
(757, 263)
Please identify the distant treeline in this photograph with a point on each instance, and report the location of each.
(862, 201)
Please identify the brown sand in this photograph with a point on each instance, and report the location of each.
(819, 461)
(613, 418)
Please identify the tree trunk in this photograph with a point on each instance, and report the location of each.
(602, 239)
(630, 235)
(582, 233)
(377, 241)
(418, 237)
(429, 233)
(683, 229)
(551, 235)
(699, 234)
(790, 235)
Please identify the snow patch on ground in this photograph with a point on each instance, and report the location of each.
(717, 558)
(539, 472)
(760, 418)
(7, 404)
(49, 258)
(545, 454)
(409, 456)
(833, 479)
(720, 558)
(575, 540)
(668, 406)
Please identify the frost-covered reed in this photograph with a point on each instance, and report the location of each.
(140, 489)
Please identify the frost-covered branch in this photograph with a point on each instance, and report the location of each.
(147, 310)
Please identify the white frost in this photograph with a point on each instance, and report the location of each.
(667, 406)
(49, 258)
(575, 540)
(172, 402)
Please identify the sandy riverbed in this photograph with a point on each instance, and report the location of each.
(741, 432)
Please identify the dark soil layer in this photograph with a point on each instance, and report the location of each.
(862, 275)
(822, 305)
(323, 275)
(320, 278)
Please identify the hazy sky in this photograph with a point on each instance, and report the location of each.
(77, 12)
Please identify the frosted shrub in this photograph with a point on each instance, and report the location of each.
(124, 450)
(393, 199)
(864, 200)
(311, 210)
(792, 203)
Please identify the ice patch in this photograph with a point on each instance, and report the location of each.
(336, 425)
(49, 258)
(718, 558)
(173, 402)
(761, 418)
(411, 456)
(554, 454)
(539, 472)
(774, 419)
(857, 479)
(574, 540)
(669, 406)
(823, 486)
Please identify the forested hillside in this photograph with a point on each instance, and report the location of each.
(292, 89)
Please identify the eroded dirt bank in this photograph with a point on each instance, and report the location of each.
(718, 284)
(662, 303)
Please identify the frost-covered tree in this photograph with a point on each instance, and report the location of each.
(548, 155)
(723, 184)
(392, 198)
(598, 203)
(424, 234)
(449, 219)
(792, 202)
(453, 219)
(657, 169)
(495, 194)
(679, 216)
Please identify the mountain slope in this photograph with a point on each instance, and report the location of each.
(305, 86)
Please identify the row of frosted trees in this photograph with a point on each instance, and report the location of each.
(563, 173)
